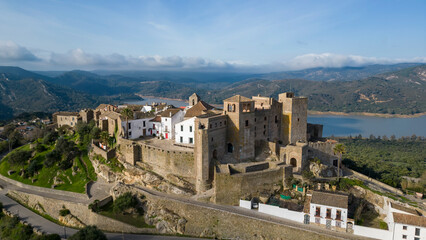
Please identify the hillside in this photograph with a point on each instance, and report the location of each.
(338, 74)
(401, 92)
(397, 92)
(24, 91)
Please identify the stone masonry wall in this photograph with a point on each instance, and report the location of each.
(209, 222)
(80, 210)
(229, 189)
(165, 162)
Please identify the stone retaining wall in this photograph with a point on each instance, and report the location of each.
(365, 178)
(80, 210)
(210, 222)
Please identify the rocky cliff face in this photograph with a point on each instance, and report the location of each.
(138, 176)
(165, 220)
(321, 170)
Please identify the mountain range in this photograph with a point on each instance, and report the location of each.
(398, 88)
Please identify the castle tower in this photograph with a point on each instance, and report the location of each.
(194, 99)
(294, 118)
(240, 137)
(209, 148)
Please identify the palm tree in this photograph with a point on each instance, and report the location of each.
(127, 113)
(339, 149)
(104, 137)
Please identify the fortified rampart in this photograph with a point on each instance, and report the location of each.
(322, 150)
(160, 160)
(233, 182)
(107, 154)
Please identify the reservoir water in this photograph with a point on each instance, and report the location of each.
(349, 125)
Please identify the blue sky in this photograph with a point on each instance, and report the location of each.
(213, 35)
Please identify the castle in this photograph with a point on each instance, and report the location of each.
(245, 148)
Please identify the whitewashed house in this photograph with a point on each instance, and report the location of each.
(329, 209)
(169, 118)
(139, 126)
(405, 223)
(146, 108)
(154, 126)
(184, 131)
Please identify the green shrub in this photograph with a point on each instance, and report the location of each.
(40, 148)
(52, 158)
(63, 212)
(19, 157)
(88, 233)
(50, 237)
(123, 202)
(383, 225)
(33, 167)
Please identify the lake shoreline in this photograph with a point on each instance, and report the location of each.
(312, 112)
(367, 114)
(162, 98)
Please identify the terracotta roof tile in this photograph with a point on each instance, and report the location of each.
(238, 98)
(169, 111)
(156, 119)
(405, 209)
(330, 199)
(198, 109)
(409, 219)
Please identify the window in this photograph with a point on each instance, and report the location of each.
(71, 123)
(328, 213)
(416, 238)
(212, 139)
(181, 139)
(130, 133)
(404, 227)
(220, 124)
(130, 126)
(254, 119)
(215, 124)
(264, 126)
(404, 236)
(276, 119)
(265, 118)
(190, 128)
(318, 212)
(181, 128)
(224, 122)
(211, 125)
(417, 232)
(144, 125)
(230, 148)
(73, 118)
(191, 140)
(247, 123)
(339, 215)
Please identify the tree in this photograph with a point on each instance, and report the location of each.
(15, 139)
(104, 137)
(88, 233)
(339, 149)
(124, 201)
(127, 113)
(19, 157)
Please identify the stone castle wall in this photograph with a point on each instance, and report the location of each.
(323, 151)
(165, 162)
(230, 188)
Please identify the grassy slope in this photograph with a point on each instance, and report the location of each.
(46, 175)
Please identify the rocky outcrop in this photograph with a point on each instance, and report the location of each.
(321, 170)
(165, 220)
(71, 221)
(138, 176)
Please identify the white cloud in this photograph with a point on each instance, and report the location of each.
(10, 51)
(79, 58)
(313, 60)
